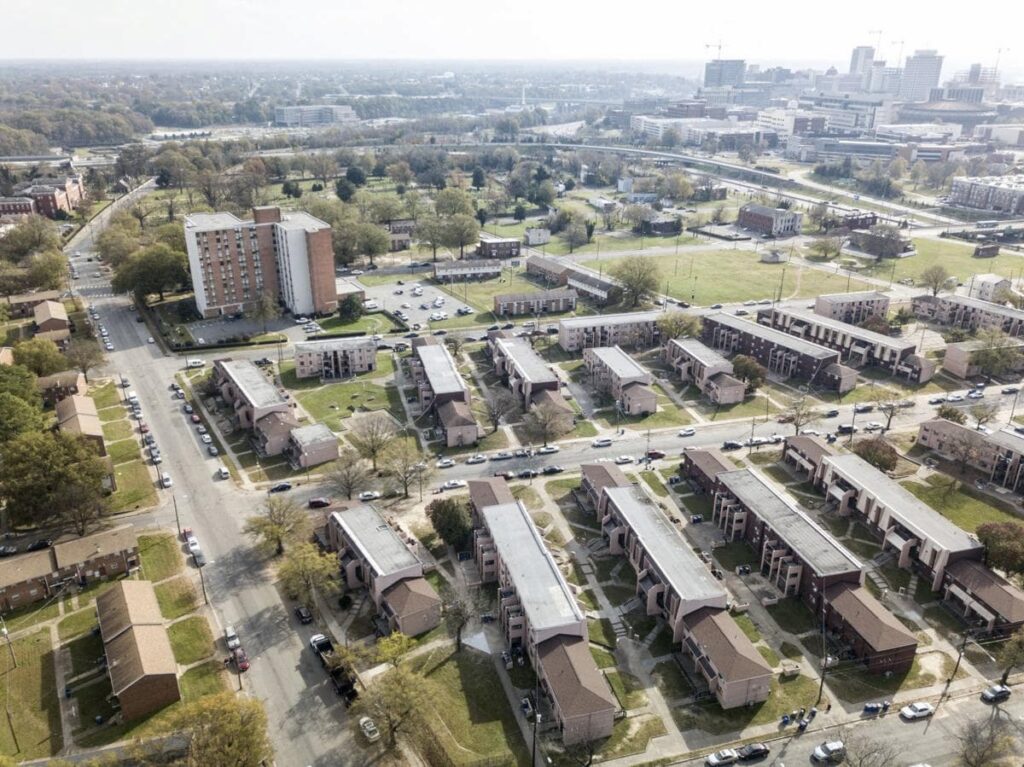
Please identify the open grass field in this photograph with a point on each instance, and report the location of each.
(954, 255)
(963, 506)
(725, 276)
(34, 730)
(331, 403)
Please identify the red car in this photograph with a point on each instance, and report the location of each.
(240, 659)
(143, 427)
(186, 533)
(196, 418)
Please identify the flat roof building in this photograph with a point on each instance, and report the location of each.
(706, 368)
(335, 358)
(247, 390)
(630, 329)
(969, 313)
(852, 307)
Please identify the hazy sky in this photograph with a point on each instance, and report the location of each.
(761, 32)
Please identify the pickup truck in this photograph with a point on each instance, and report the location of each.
(342, 677)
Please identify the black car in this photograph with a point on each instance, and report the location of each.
(303, 614)
(319, 503)
(411, 335)
(731, 445)
(8, 551)
(494, 327)
(527, 474)
(199, 558)
(753, 751)
(996, 693)
(441, 332)
(281, 487)
(508, 326)
(42, 543)
(832, 414)
(552, 470)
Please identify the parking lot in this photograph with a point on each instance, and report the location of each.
(388, 300)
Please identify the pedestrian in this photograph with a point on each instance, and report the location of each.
(828, 708)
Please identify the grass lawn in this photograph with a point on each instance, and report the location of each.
(92, 702)
(856, 685)
(191, 640)
(331, 403)
(747, 627)
(954, 255)
(476, 724)
(527, 495)
(603, 567)
(115, 413)
(731, 555)
(84, 652)
(105, 395)
(629, 736)
(30, 615)
(963, 506)
(117, 430)
(377, 322)
(160, 555)
(135, 487)
(792, 616)
(618, 595)
(671, 680)
(523, 677)
(640, 623)
(76, 623)
(654, 482)
(699, 504)
(602, 657)
(587, 599)
(786, 695)
(790, 650)
(770, 656)
(752, 407)
(176, 597)
(601, 632)
(123, 451)
(627, 689)
(725, 275)
(35, 713)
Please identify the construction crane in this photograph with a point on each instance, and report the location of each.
(878, 40)
(717, 47)
(999, 55)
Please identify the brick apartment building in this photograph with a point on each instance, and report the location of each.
(335, 358)
(706, 369)
(630, 330)
(497, 247)
(774, 222)
(613, 372)
(542, 302)
(785, 355)
(853, 308)
(857, 347)
(53, 197)
(375, 556)
(469, 269)
(442, 390)
(701, 469)
(234, 263)
(969, 313)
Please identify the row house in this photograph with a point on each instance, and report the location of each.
(538, 612)
(615, 373)
(857, 347)
(924, 540)
(853, 308)
(549, 270)
(631, 330)
(674, 585)
(784, 355)
(336, 358)
(969, 313)
(247, 391)
(467, 269)
(50, 315)
(961, 359)
(23, 304)
(374, 556)
(53, 388)
(442, 390)
(706, 369)
(78, 415)
(542, 302)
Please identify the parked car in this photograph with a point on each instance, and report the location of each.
(453, 484)
(303, 614)
(687, 432)
(8, 551)
(281, 487)
(829, 751)
(547, 450)
(623, 459)
(501, 455)
(478, 458)
(725, 756)
(527, 474)
(187, 408)
(445, 463)
(995, 693)
(231, 638)
(753, 751)
(955, 398)
(602, 442)
(655, 454)
(369, 729)
(212, 450)
(240, 659)
(919, 710)
(1010, 389)
(938, 400)
(552, 470)
(199, 558)
(39, 545)
(863, 407)
(165, 480)
(731, 444)
(369, 495)
(319, 503)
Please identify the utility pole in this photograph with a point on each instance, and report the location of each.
(1013, 408)
(824, 653)
(7, 636)
(177, 520)
(959, 657)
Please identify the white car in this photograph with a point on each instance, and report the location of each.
(231, 638)
(193, 544)
(602, 442)
(453, 484)
(150, 340)
(301, 320)
(108, 346)
(165, 480)
(872, 426)
(369, 729)
(954, 398)
(547, 450)
(369, 495)
(975, 394)
(478, 458)
(810, 432)
(919, 710)
(206, 439)
(829, 751)
(445, 463)
(438, 316)
(725, 756)
(687, 432)
(623, 459)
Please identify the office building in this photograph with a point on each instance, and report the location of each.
(374, 555)
(613, 372)
(335, 358)
(631, 330)
(719, 73)
(999, 194)
(848, 113)
(50, 196)
(313, 115)
(234, 264)
(773, 222)
(861, 60)
(968, 313)
(706, 369)
(857, 346)
(539, 614)
(920, 74)
(783, 354)
(791, 122)
(853, 308)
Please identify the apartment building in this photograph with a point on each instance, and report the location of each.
(497, 247)
(988, 287)
(17, 206)
(441, 389)
(968, 313)
(987, 602)
(77, 415)
(701, 469)
(248, 391)
(857, 347)
(335, 358)
(631, 330)
(852, 308)
(488, 491)
(773, 222)
(538, 612)
(598, 289)
(594, 478)
(51, 196)
(673, 584)
(999, 455)
(923, 539)
(313, 115)
(999, 194)
(613, 372)
(961, 358)
(310, 446)
(234, 263)
(524, 371)
(805, 454)
(469, 269)
(50, 315)
(706, 369)
(854, 618)
(373, 555)
(783, 354)
(551, 271)
(542, 302)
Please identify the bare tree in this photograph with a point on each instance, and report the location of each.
(996, 353)
(985, 742)
(547, 422)
(405, 464)
(394, 701)
(350, 474)
(677, 325)
(264, 309)
(456, 616)
(499, 404)
(863, 750)
(935, 278)
(372, 435)
(802, 412)
(279, 520)
(888, 404)
(964, 449)
(984, 412)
